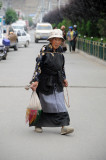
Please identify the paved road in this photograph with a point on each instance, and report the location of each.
(87, 91)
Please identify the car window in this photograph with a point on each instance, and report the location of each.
(18, 27)
(11, 29)
(18, 33)
(44, 27)
(4, 30)
(23, 34)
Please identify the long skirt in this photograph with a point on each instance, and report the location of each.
(54, 112)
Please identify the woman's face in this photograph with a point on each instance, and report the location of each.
(70, 29)
(56, 42)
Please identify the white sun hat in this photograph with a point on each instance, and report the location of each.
(56, 33)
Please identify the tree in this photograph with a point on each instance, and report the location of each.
(30, 21)
(89, 15)
(88, 28)
(53, 17)
(0, 5)
(10, 16)
(102, 27)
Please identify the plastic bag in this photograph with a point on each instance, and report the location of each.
(34, 108)
(34, 102)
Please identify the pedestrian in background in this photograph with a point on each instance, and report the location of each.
(75, 37)
(55, 27)
(70, 37)
(64, 36)
(64, 32)
(48, 80)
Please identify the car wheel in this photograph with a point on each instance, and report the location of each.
(4, 58)
(36, 40)
(16, 47)
(0, 58)
(27, 43)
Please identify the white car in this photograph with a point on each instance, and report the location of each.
(42, 31)
(19, 26)
(23, 38)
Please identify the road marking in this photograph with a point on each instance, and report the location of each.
(68, 86)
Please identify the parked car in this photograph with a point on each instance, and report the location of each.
(42, 31)
(23, 38)
(9, 33)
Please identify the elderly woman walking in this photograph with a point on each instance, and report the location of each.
(48, 80)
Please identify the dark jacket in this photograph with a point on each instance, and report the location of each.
(51, 66)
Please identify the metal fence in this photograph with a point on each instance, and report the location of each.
(97, 49)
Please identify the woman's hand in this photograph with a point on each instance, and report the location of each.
(34, 85)
(65, 83)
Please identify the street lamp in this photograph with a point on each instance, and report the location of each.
(79, 35)
(102, 40)
(84, 36)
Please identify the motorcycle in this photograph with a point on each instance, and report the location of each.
(3, 52)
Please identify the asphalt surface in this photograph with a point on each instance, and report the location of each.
(87, 93)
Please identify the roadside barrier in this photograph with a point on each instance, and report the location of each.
(91, 47)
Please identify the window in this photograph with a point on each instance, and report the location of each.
(11, 29)
(23, 34)
(44, 27)
(18, 33)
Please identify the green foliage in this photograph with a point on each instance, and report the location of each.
(90, 16)
(89, 28)
(10, 16)
(102, 27)
(54, 25)
(66, 23)
(30, 21)
(0, 5)
(83, 27)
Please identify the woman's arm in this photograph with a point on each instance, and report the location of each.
(39, 61)
(35, 79)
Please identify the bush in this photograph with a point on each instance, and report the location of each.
(102, 27)
(89, 29)
(66, 23)
(83, 27)
(90, 22)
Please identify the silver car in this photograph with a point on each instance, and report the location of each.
(42, 31)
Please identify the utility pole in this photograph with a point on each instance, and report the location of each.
(58, 4)
(50, 5)
(42, 10)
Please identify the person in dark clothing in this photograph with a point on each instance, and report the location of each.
(48, 80)
(64, 36)
(64, 32)
(75, 37)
